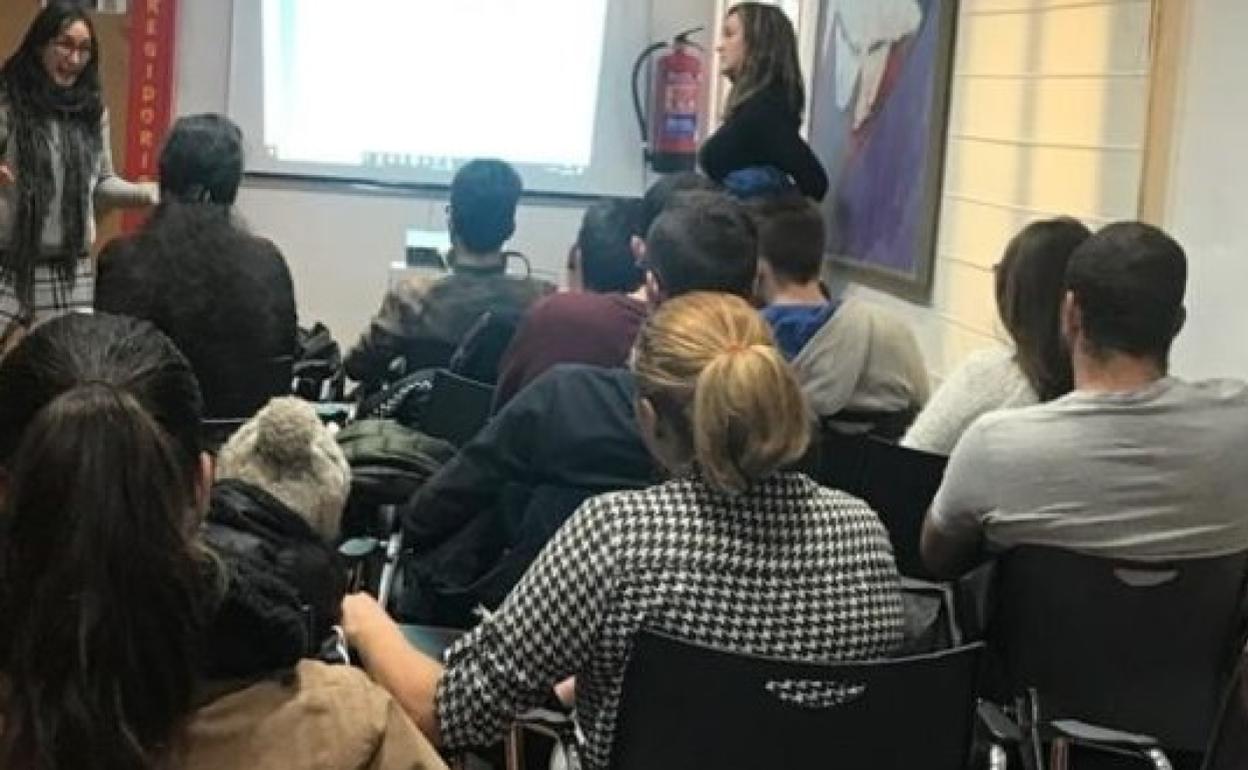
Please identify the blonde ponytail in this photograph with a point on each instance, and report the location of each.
(708, 363)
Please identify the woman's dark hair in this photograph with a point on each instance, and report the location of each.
(224, 296)
(202, 161)
(1030, 284)
(101, 586)
(771, 59)
(34, 100)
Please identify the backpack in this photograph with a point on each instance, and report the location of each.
(318, 372)
(389, 463)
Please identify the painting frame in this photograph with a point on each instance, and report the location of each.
(912, 281)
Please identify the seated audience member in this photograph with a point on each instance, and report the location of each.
(125, 644)
(1030, 282)
(224, 296)
(596, 321)
(732, 552)
(1133, 463)
(424, 319)
(282, 483)
(483, 517)
(856, 362)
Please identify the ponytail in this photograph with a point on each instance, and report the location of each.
(708, 364)
(749, 417)
(100, 587)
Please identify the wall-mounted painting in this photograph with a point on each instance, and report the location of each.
(879, 113)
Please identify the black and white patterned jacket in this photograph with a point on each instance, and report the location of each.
(788, 569)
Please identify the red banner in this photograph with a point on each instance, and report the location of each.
(153, 31)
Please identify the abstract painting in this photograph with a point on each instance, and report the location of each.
(879, 112)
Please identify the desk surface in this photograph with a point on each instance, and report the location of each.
(431, 640)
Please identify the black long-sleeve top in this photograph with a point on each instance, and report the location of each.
(763, 131)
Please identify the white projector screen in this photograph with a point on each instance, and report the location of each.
(407, 91)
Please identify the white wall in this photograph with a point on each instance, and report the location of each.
(338, 240)
(1048, 117)
(1207, 207)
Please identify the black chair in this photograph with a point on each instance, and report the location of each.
(1142, 647)
(458, 408)
(481, 351)
(687, 706)
(899, 484)
(838, 460)
(1229, 748)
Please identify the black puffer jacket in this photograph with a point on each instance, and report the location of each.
(285, 587)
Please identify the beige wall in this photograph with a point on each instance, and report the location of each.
(1048, 116)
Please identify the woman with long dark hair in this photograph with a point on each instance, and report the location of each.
(224, 295)
(1030, 285)
(55, 169)
(758, 149)
(125, 644)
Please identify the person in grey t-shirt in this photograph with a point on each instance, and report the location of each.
(1132, 464)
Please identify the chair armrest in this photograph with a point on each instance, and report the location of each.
(999, 727)
(1108, 739)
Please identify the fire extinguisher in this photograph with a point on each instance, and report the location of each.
(669, 133)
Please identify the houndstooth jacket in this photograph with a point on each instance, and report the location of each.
(788, 569)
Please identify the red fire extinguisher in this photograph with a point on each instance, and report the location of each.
(670, 132)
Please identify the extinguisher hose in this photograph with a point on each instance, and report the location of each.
(637, 108)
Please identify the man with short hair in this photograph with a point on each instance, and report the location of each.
(425, 319)
(1132, 464)
(596, 321)
(857, 362)
(568, 436)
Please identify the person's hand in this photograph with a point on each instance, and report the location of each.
(7, 177)
(153, 192)
(361, 616)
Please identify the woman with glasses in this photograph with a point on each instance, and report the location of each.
(55, 168)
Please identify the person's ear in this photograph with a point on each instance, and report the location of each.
(204, 474)
(764, 284)
(576, 278)
(638, 247)
(1072, 321)
(654, 291)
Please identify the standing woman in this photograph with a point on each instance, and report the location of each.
(758, 149)
(55, 167)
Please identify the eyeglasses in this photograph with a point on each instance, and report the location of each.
(68, 48)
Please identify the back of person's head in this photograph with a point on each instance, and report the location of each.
(703, 241)
(791, 237)
(1030, 285)
(604, 246)
(202, 161)
(771, 57)
(101, 587)
(484, 196)
(225, 297)
(1127, 283)
(664, 190)
(719, 393)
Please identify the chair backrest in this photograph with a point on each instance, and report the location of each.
(685, 705)
(1229, 748)
(458, 408)
(1141, 647)
(899, 484)
(481, 351)
(838, 460)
